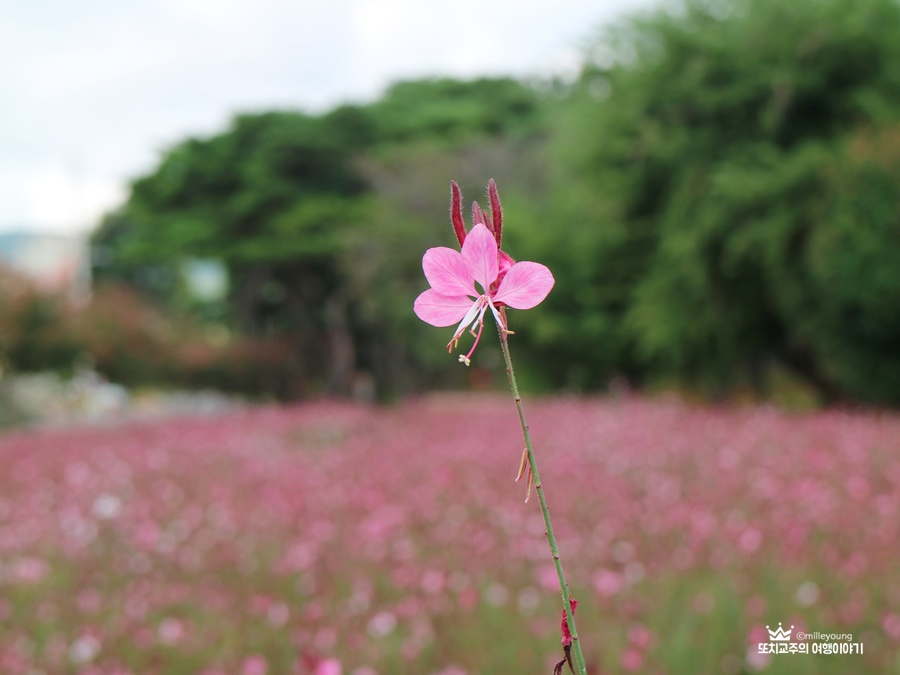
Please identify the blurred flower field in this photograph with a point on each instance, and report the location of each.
(331, 538)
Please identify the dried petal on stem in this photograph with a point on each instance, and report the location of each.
(523, 465)
(525, 470)
(456, 214)
(564, 626)
(566, 641)
(496, 211)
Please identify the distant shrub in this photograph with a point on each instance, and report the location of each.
(260, 368)
(127, 339)
(130, 340)
(30, 320)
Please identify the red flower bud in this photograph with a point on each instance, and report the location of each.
(456, 214)
(496, 211)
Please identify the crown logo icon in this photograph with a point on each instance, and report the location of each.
(780, 634)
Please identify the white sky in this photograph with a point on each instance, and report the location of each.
(93, 91)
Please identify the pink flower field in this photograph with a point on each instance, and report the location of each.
(333, 538)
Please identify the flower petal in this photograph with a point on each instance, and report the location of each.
(479, 253)
(446, 272)
(525, 285)
(441, 310)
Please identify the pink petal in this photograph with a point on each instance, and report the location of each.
(441, 310)
(504, 262)
(328, 667)
(446, 272)
(479, 253)
(525, 285)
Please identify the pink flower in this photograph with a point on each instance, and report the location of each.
(453, 296)
(328, 667)
(632, 660)
(254, 665)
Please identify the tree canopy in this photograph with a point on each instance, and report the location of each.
(724, 167)
(718, 195)
(286, 201)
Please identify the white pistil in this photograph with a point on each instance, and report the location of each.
(474, 319)
(467, 319)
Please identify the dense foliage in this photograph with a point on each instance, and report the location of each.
(130, 339)
(303, 213)
(743, 201)
(718, 195)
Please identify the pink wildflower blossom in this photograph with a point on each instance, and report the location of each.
(453, 296)
(255, 665)
(328, 667)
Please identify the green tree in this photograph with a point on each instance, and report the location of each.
(302, 210)
(453, 111)
(271, 199)
(715, 210)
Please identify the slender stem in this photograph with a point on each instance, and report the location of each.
(551, 539)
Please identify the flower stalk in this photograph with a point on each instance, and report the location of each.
(464, 285)
(580, 668)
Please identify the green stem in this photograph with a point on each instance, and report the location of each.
(581, 669)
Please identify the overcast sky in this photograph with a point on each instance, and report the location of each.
(93, 91)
